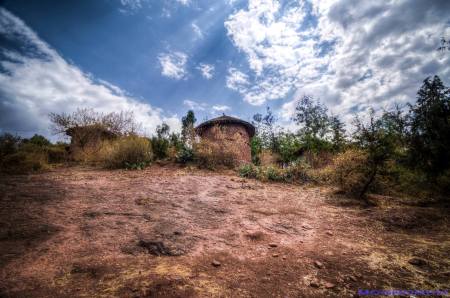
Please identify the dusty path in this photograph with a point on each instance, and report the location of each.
(78, 232)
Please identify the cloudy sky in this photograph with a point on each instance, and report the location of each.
(161, 58)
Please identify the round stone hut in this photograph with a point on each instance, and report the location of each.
(229, 132)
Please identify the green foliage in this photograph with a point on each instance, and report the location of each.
(39, 140)
(296, 172)
(160, 143)
(265, 130)
(131, 152)
(187, 128)
(9, 144)
(248, 171)
(185, 155)
(289, 147)
(23, 162)
(338, 140)
(312, 116)
(57, 153)
(379, 144)
(430, 128)
(256, 149)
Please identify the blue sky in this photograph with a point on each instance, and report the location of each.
(161, 58)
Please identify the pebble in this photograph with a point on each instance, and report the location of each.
(314, 284)
(329, 285)
(275, 255)
(417, 262)
(216, 263)
(273, 245)
(318, 264)
(352, 278)
(329, 233)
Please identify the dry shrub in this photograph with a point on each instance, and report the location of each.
(29, 159)
(268, 158)
(87, 142)
(297, 172)
(348, 171)
(318, 160)
(131, 152)
(219, 151)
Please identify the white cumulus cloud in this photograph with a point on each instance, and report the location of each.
(38, 81)
(221, 108)
(207, 70)
(173, 65)
(351, 54)
(195, 105)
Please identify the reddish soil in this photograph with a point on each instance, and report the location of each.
(80, 232)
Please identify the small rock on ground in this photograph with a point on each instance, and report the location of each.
(216, 263)
(318, 264)
(314, 284)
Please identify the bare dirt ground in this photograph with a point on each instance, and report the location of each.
(169, 232)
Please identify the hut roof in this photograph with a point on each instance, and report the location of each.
(226, 120)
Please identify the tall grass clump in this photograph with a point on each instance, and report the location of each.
(131, 152)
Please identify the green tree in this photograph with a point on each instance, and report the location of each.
(265, 129)
(430, 127)
(160, 142)
(187, 129)
(39, 140)
(312, 116)
(379, 144)
(337, 133)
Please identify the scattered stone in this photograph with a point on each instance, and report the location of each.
(158, 248)
(318, 264)
(273, 245)
(314, 284)
(275, 255)
(216, 263)
(306, 227)
(329, 233)
(417, 262)
(352, 278)
(284, 257)
(329, 285)
(177, 233)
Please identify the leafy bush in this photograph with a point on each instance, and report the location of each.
(185, 155)
(297, 172)
(274, 174)
(24, 162)
(248, 171)
(9, 144)
(130, 152)
(57, 153)
(39, 140)
(349, 171)
(160, 143)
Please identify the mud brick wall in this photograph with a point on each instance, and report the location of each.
(233, 136)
